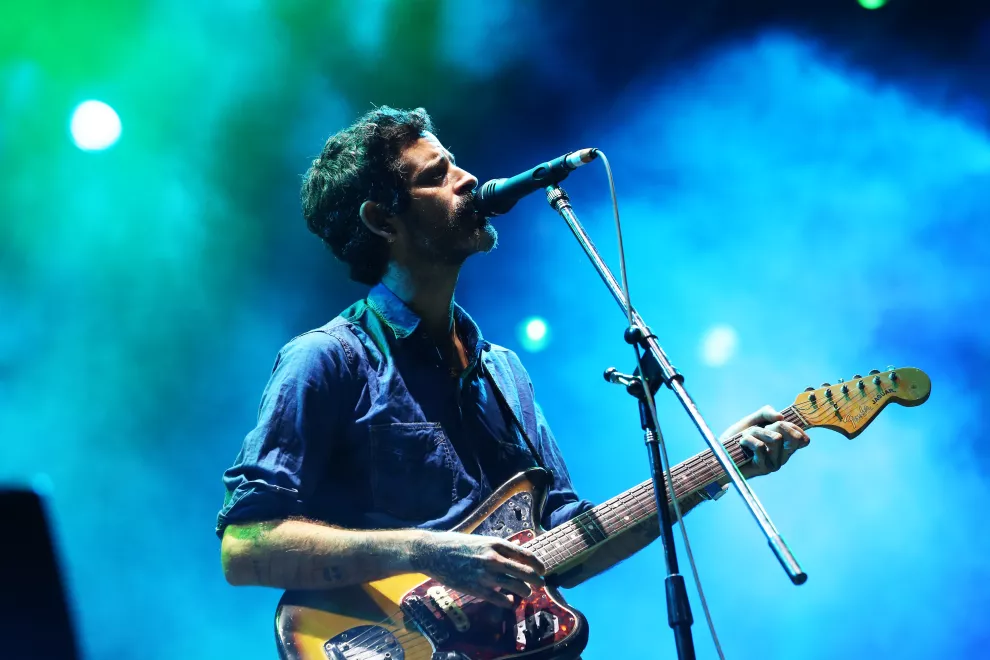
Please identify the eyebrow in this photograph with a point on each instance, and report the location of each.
(447, 155)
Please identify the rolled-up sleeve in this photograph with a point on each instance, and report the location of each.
(281, 458)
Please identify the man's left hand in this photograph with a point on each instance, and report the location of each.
(769, 437)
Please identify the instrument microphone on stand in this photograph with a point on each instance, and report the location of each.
(498, 196)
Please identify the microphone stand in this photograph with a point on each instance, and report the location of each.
(656, 368)
(678, 607)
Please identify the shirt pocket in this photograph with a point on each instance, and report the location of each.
(412, 471)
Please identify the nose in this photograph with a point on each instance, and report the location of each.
(466, 182)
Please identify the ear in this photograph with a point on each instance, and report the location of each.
(375, 218)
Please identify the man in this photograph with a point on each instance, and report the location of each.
(388, 425)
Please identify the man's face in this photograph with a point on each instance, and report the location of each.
(441, 222)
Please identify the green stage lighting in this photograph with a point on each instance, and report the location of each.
(95, 126)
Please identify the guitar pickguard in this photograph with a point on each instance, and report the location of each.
(511, 517)
(477, 630)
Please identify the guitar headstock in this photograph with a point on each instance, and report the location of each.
(849, 406)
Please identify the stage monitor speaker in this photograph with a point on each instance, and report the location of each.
(34, 615)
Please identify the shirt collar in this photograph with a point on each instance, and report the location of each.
(403, 321)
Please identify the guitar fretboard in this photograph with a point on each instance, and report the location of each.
(565, 542)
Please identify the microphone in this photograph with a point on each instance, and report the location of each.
(498, 196)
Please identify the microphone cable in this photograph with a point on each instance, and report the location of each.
(651, 404)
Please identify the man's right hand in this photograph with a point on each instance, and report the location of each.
(482, 566)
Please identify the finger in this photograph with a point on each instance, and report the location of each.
(773, 442)
(762, 417)
(508, 583)
(794, 438)
(515, 569)
(792, 430)
(760, 451)
(490, 595)
(520, 554)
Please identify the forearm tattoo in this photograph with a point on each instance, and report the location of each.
(451, 563)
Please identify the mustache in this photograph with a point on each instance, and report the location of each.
(471, 199)
(468, 204)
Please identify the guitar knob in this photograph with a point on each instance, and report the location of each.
(826, 384)
(809, 389)
(890, 367)
(874, 371)
(857, 377)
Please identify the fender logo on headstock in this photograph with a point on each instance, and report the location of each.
(864, 411)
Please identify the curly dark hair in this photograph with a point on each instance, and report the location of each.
(360, 163)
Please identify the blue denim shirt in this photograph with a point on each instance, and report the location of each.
(362, 426)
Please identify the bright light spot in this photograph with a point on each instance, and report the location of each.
(534, 334)
(536, 329)
(872, 4)
(95, 126)
(719, 345)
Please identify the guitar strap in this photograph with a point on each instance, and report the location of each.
(509, 413)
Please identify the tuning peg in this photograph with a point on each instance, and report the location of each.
(860, 384)
(826, 384)
(890, 367)
(874, 371)
(893, 375)
(828, 393)
(812, 397)
(857, 377)
(876, 379)
(809, 389)
(845, 389)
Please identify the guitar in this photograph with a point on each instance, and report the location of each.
(413, 617)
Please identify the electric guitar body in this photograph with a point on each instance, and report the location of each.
(412, 617)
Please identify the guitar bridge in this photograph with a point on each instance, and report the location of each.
(365, 642)
(429, 620)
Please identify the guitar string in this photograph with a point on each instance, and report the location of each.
(602, 517)
(634, 494)
(686, 485)
(689, 466)
(640, 507)
(648, 507)
(608, 513)
(464, 600)
(605, 513)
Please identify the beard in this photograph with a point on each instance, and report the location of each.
(462, 233)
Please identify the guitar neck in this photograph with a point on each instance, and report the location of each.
(564, 543)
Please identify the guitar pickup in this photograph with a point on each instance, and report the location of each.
(450, 607)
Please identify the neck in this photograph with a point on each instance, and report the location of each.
(567, 543)
(427, 290)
